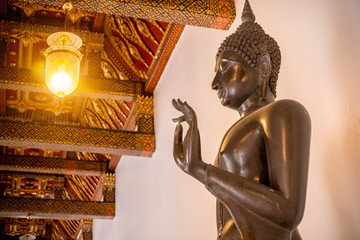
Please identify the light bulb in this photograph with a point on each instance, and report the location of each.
(61, 84)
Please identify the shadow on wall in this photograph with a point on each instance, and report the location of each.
(343, 163)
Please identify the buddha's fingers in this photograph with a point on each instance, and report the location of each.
(178, 151)
(175, 104)
(179, 119)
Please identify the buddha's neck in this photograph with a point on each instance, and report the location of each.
(254, 102)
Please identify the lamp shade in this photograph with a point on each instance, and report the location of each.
(62, 63)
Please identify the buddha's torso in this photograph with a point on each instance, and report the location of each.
(243, 152)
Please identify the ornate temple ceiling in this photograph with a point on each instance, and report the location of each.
(58, 155)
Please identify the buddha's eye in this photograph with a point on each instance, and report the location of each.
(223, 66)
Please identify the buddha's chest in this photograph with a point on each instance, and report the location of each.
(243, 151)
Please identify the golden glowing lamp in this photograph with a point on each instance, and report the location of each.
(62, 63)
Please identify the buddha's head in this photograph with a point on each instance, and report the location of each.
(254, 49)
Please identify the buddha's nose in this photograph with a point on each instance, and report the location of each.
(215, 83)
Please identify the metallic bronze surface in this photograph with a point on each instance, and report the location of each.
(260, 174)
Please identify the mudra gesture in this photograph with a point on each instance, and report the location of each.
(260, 173)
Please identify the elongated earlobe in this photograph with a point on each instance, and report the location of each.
(264, 66)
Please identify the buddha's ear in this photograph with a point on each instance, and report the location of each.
(264, 67)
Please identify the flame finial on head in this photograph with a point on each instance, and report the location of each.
(247, 14)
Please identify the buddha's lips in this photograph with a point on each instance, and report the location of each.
(220, 93)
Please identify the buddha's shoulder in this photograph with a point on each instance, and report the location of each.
(287, 104)
(285, 108)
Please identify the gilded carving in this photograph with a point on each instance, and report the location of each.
(74, 14)
(31, 152)
(28, 37)
(31, 187)
(109, 195)
(127, 50)
(109, 70)
(109, 180)
(145, 31)
(28, 8)
(57, 233)
(96, 41)
(126, 37)
(58, 209)
(103, 113)
(56, 165)
(59, 186)
(4, 28)
(200, 13)
(146, 104)
(156, 24)
(164, 52)
(21, 226)
(73, 138)
(98, 87)
(81, 187)
(87, 224)
(130, 31)
(29, 101)
(68, 228)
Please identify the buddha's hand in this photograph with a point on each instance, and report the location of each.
(187, 152)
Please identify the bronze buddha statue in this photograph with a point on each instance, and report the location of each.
(260, 173)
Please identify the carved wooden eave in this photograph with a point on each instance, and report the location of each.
(58, 155)
(55, 209)
(217, 14)
(68, 198)
(89, 87)
(78, 139)
(54, 165)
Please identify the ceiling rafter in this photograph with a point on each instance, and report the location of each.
(75, 138)
(217, 14)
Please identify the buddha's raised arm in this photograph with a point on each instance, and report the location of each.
(187, 152)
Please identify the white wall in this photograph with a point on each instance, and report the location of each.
(320, 43)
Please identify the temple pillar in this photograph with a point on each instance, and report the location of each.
(145, 116)
(109, 187)
(48, 229)
(59, 181)
(87, 229)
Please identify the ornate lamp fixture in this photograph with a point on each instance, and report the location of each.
(63, 61)
(27, 237)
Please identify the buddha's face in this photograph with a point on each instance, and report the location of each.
(235, 79)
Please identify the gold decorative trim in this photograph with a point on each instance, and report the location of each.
(205, 13)
(50, 165)
(109, 180)
(78, 139)
(165, 50)
(146, 104)
(28, 80)
(55, 209)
